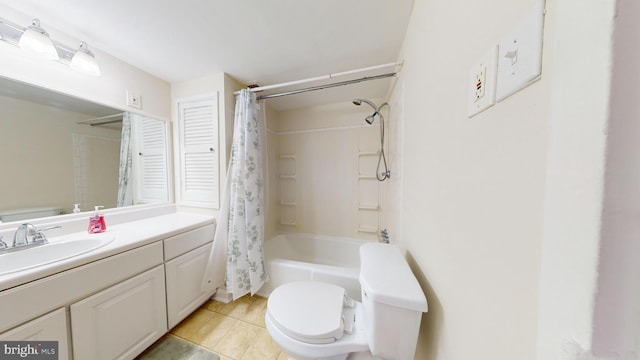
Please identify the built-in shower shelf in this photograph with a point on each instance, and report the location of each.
(367, 153)
(288, 185)
(368, 192)
(368, 207)
(368, 230)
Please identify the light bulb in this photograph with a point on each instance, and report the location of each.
(36, 41)
(84, 61)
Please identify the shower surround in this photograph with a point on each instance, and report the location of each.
(321, 168)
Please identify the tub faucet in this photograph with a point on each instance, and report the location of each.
(27, 235)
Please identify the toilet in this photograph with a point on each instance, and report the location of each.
(317, 320)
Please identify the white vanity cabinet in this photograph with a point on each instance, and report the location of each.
(121, 321)
(116, 306)
(49, 327)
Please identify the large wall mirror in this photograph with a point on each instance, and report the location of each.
(58, 151)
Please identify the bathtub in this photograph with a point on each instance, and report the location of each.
(292, 257)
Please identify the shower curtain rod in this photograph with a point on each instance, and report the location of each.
(90, 121)
(327, 86)
(324, 77)
(106, 122)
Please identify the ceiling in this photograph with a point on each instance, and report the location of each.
(259, 41)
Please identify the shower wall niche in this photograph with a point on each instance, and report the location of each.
(322, 163)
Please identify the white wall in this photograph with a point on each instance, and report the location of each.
(472, 189)
(108, 89)
(272, 195)
(391, 190)
(575, 173)
(507, 275)
(617, 302)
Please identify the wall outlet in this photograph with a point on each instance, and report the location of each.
(481, 77)
(134, 100)
(482, 83)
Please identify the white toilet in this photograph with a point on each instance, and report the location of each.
(316, 320)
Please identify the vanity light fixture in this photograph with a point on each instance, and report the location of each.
(36, 40)
(84, 60)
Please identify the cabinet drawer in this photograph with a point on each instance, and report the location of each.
(180, 244)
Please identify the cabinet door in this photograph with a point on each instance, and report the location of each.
(49, 327)
(197, 139)
(184, 275)
(121, 321)
(149, 159)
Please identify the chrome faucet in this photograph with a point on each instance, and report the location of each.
(29, 235)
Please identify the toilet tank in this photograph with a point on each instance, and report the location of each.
(392, 301)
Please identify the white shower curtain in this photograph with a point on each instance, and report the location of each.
(125, 194)
(237, 259)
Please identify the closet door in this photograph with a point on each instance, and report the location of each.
(197, 137)
(149, 159)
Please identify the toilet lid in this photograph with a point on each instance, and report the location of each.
(308, 311)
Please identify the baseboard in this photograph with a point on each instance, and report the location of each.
(222, 295)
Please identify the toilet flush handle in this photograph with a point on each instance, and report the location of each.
(348, 319)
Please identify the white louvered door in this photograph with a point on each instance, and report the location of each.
(198, 144)
(150, 160)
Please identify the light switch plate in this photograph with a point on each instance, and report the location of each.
(520, 54)
(481, 83)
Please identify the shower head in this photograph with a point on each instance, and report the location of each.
(376, 110)
(369, 119)
(380, 175)
(359, 102)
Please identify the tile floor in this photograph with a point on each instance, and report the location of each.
(235, 331)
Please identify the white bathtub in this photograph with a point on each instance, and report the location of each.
(292, 257)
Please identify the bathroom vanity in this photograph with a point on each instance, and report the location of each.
(115, 301)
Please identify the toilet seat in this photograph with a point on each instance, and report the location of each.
(309, 311)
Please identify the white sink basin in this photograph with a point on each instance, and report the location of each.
(19, 260)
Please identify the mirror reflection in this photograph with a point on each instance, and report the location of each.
(58, 151)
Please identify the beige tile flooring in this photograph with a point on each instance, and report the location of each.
(235, 331)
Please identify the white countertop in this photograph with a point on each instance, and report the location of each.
(128, 235)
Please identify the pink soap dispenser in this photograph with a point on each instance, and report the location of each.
(96, 222)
